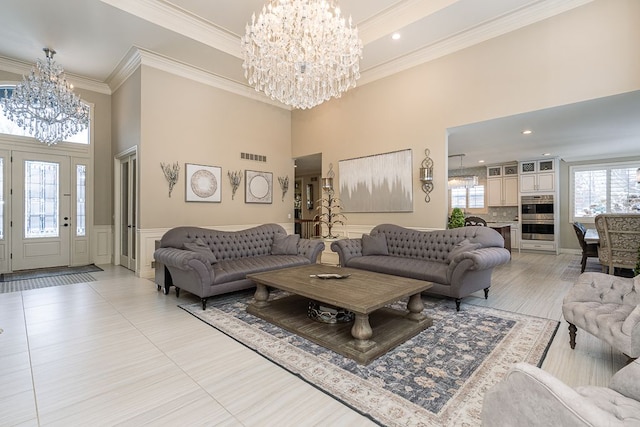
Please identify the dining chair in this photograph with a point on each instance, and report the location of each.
(588, 249)
(474, 220)
(619, 241)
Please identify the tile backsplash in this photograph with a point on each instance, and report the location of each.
(501, 214)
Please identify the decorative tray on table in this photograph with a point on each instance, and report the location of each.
(330, 276)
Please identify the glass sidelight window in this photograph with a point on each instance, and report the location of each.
(81, 190)
(1, 198)
(41, 201)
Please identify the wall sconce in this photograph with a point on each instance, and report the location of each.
(426, 175)
(327, 183)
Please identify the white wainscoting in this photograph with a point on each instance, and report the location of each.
(147, 240)
(352, 232)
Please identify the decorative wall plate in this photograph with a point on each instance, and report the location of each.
(203, 183)
(258, 187)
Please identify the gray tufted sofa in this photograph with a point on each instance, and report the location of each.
(531, 397)
(607, 307)
(435, 256)
(235, 253)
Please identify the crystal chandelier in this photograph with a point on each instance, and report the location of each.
(301, 52)
(462, 180)
(44, 103)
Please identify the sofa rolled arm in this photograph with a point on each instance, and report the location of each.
(479, 259)
(536, 398)
(347, 249)
(185, 260)
(310, 248)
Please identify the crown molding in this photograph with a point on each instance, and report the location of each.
(138, 56)
(399, 16)
(502, 25)
(18, 67)
(180, 21)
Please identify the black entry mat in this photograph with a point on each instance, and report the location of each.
(47, 272)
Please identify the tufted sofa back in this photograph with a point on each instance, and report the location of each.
(226, 245)
(434, 245)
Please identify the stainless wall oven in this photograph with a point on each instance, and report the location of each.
(538, 217)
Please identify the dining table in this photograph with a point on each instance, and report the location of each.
(591, 236)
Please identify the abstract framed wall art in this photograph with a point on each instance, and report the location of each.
(378, 183)
(258, 187)
(203, 183)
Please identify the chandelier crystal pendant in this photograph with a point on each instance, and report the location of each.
(301, 52)
(44, 103)
(461, 180)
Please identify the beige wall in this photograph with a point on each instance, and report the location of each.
(586, 53)
(126, 115)
(190, 122)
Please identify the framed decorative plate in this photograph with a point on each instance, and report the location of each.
(258, 187)
(203, 183)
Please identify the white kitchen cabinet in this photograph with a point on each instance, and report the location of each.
(538, 245)
(538, 176)
(515, 236)
(539, 182)
(502, 185)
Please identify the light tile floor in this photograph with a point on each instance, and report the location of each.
(118, 352)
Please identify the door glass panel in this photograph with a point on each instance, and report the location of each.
(41, 199)
(124, 211)
(133, 207)
(81, 187)
(1, 198)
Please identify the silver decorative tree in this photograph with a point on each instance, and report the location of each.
(329, 206)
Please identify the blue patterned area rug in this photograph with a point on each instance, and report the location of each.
(437, 378)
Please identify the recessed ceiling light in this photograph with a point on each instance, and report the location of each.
(480, 161)
(396, 36)
(527, 132)
(546, 154)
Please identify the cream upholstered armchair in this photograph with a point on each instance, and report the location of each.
(529, 396)
(607, 307)
(619, 236)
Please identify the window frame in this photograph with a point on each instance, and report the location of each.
(481, 183)
(591, 167)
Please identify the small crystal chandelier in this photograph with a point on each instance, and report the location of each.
(462, 180)
(301, 52)
(44, 103)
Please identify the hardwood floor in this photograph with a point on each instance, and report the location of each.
(116, 351)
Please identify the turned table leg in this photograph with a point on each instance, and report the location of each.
(415, 307)
(361, 331)
(572, 335)
(261, 296)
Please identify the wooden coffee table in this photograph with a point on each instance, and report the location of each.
(376, 328)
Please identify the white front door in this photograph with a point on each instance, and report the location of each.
(40, 210)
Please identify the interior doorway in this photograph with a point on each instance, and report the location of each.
(126, 208)
(308, 172)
